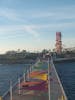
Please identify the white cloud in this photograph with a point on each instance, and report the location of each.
(23, 29)
(33, 29)
(69, 42)
(42, 14)
(8, 13)
(53, 14)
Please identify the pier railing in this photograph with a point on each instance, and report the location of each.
(21, 78)
(64, 97)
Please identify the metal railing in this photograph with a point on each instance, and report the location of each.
(63, 97)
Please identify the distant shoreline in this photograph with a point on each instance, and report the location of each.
(20, 61)
(64, 60)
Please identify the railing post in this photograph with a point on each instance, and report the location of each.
(10, 90)
(27, 75)
(24, 76)
(19, 86)
(49, 78)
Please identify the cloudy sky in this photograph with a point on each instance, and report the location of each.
(32, 24)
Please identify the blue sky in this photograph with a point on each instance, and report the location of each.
(32, 24)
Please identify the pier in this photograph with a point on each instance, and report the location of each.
(55, 90)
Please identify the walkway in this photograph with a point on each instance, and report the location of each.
(56, 90)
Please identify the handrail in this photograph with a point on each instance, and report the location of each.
(64, 94)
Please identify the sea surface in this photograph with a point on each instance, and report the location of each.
(9, 73)
(66, 72)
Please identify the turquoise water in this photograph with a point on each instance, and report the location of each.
(66, 72)
(10, 72)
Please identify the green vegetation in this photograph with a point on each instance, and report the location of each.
(12, 57)
(18, 57)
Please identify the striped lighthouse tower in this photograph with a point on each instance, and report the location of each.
(58, 43)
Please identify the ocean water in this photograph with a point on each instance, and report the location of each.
(10, 72)
(66, 72)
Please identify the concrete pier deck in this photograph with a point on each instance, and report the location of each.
(56, 89)
(28, 95)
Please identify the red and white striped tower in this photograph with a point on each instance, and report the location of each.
(58, 42)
